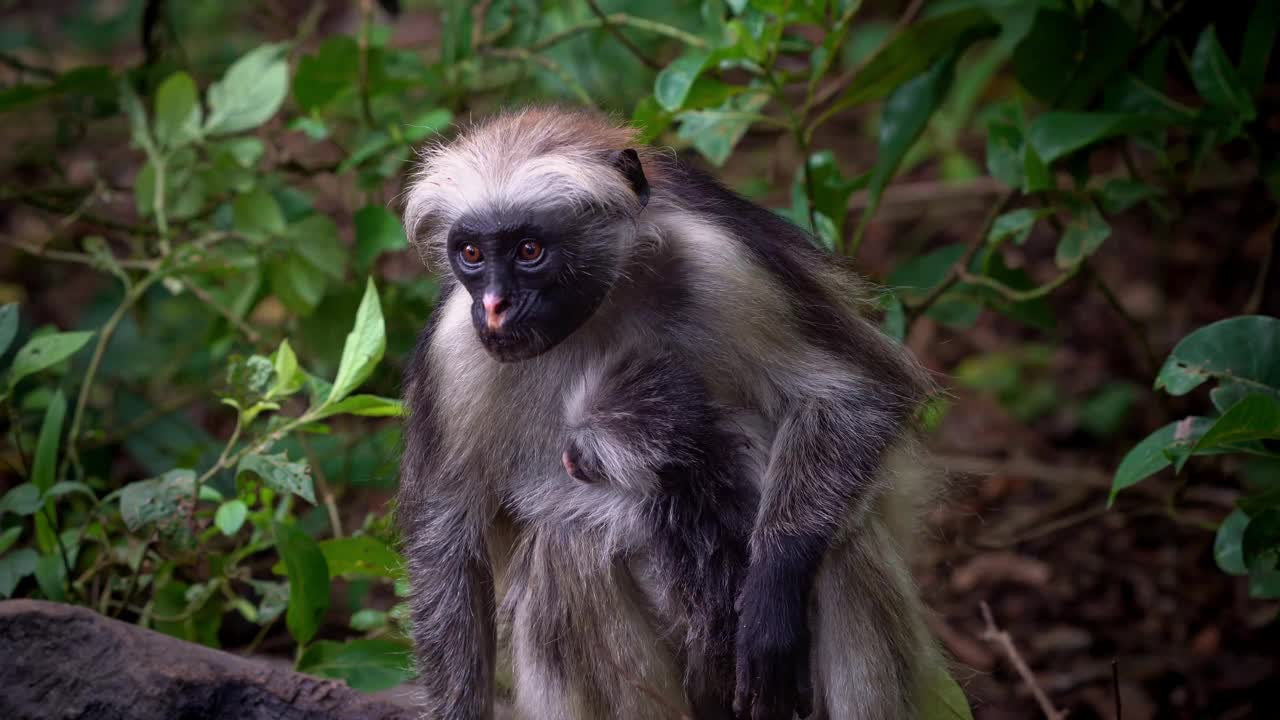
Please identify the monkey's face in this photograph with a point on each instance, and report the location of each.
(534, 276)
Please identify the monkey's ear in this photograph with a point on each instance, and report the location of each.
(628, 163)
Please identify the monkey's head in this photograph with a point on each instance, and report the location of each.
(534, 214)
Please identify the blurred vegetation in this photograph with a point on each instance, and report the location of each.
(200, 434)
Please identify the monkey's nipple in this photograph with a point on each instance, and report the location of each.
(572, 468)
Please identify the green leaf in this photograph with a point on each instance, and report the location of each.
(308, 581)
(51, 576)
(1256, 417)
(289, 377)
(178, 113)
(941, 697)
(315, 240)
(329, 73)
(672, 85)
(1149, 456)
(257, 213)
(1121, 194)
(913, 52)
(377, 231)
(428, 123)
(8, 326)
(45, 351)
(67, 488)
(250, 92)
(1216, 79)
(9, 537)
(162, 500)
(364, 405)
(1243, 349)
(14, 567)
(1261, 536)
(370, 664)
(1016, 224)
(1004, 153)
(361, 556)
(715, 132)
(297, 283)
(1085, 233)
(21, 500)
(46, 460)
(1259, 38)
(1059, 133)
(1228, 544)
(280, 474)
(368, 619)
(364, 346)
(230, 516)
(905, 115)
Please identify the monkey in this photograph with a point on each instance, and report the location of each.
(560, 238)
(643, 420)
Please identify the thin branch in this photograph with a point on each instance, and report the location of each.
(619, 19)
(1131, 322)
(524, 55)
(1002, 640)
(1014, 294)
(203, 296)
(75, 257)
(366, 13)
(953, 276)
(1115, 688)
(616, 32)
(322, 484)
(828, 93)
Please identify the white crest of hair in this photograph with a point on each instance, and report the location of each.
(534, 157)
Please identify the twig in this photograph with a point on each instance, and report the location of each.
(1115, 688)
(1014, 294)
(825, 95)
(218, 465)
(22, 67)
(203, 296)
(366, 111)
(953, 276)
(75, 257)
(619, 19)
(622, 38)
(137, 574)
(525, 55)
(1135, 327)
(1254, 303)
(1002, 640)
(322, 484)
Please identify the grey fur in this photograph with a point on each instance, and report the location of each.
(821, 400)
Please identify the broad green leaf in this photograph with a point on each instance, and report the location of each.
(361, 556)
(1228, 544)
(67, 487)
(365, 405)
(913, 52)
(1259, 38)
(1264, 581)
(1104, 413)
(178, 113)
(1216, 78)
(45, 465)
(140, 130)
(1149, 456)
(9, 537)
(21, 500)
(1065, 57)
(247, 381)
(325, 76)
(368, 619)
(274, 598)
(1016, 224)
(1059, 133)
(280, 474)
(257, 213)
(289, 377)
(246, 151)
(297, 283)
(377, 231)
(315, 240)
(308, 581)
(941, 697)
(1261, 536)
(51, 576)
(250, 92)
(715, 132)
(230, 516)
(8, 326)
(161, 500)
(1004, 153)
(1244, 350)
(1256, 417)
(427, 124)
(1084, 234)
(1121, 194)
(894, 323)
(45, 351)
(14, 567)
(672, 85)
(650, 118)
(905, 115)
(364, 346)
(370, 664)
(88, 80)
(1258, 503)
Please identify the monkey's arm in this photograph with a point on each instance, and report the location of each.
(825, 464)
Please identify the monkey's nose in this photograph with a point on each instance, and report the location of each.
(495, 306)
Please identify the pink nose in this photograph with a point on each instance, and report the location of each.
(494, 307)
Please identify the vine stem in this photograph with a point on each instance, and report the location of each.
(366, 13)
(622, 38)
(954, 275)
(222, 458)
(105, 335)
(619, 19)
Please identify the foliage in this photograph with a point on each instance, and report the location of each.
(235, 262)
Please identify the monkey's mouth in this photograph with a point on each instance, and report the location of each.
(510, 346)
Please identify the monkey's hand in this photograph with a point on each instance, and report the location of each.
(772, 649)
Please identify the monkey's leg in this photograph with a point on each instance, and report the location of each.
(582, 644)
(868, 639)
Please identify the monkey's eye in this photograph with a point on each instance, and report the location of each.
(471, 254)
(530, 251)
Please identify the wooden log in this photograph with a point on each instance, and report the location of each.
(67, 662)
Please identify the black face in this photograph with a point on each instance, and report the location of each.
(529, 276)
